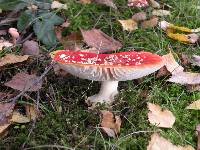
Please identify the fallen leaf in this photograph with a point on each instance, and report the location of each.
(65, 24)
(162, 72)
(198, 134)
(4, 43)
(32, 112)
(139, 16)
(193, 88)
(19, 118)
(107, 3)
(4, 127)
(6, 110)
(3, 32)
(158, 143)
(30, 48)
(12, 59)
(110, 124)
(70, 41)
(85, 1)
(195, 105)
(58, 5)
(96, 38)
(187, 37)
(159, 117)
(150, 23)
(161, 12)
(23, 81)
(185, 78)
(154, 4)
(129, 25)
(138, 3)
(196, 60)
(4, 96)
(185, 60)
(172, 66)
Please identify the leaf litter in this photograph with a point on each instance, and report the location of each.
(159, 117)
(110, 123)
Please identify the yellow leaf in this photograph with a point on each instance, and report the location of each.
(159, 117)
(129, 25)
(12, 59)
(19, 118)
(195, 105)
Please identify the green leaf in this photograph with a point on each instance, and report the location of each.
(25, 19)
(44, 28)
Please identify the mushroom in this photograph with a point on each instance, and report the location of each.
(107, 68)
(14, 33)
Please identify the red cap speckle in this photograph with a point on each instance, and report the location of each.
(138, 3)
(123, 59)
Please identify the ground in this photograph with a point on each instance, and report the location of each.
(76, 126)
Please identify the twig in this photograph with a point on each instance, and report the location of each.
(7, 20)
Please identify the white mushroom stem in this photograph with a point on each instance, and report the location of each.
(106, 94)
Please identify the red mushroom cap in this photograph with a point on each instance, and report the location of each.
(118, 66)
(138, 3)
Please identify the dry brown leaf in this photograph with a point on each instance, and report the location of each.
(71, 41)
(161, 12)
(32, 112)
(172, 66)
(185, 78)
(12, 59)
(106, 2)
(65, 24)
(193, 88)
(129, 25)
(162, 72)
(19, 118)
(6, 110)
(196, 60)
(96, 38)
(194, 105)
(139, 16)
(4, 127)
(30, 48)
(4, 43)
(185, 60)
(110, 124)
(85, 1)
(150, 23)
(198, 134)
(58, 5)
(154, 4)
(23, 81)
(159, 117)
(138, 3)
(159, 143)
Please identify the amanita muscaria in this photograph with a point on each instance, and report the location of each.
(107, 68)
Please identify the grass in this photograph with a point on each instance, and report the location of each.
(76, 126)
